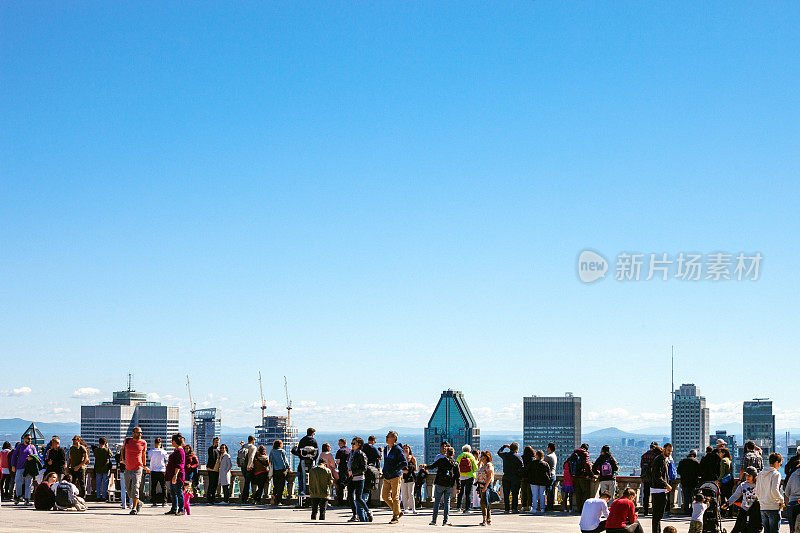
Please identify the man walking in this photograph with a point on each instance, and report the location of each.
(394, 461)
(660, 485)
(134, 456)
(512, 475)
(212, 467)
(645, 464)
(157, 458)
(689, 472)
(244, 460)
(580, 468)
(606, 468)
(23, 485)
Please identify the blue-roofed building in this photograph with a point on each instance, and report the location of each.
(451, 421)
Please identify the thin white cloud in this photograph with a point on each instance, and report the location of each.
(21, 391)
(85, 392)
(61, 410)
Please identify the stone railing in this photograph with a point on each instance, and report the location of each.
(237, 479)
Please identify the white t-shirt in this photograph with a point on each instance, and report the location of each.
(553, 463)
(158, 459)
(658, 491)
(594, 511)
(698, 508)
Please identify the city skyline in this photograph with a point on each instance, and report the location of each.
(234, 188)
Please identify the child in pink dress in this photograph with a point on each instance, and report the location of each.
(187, 496)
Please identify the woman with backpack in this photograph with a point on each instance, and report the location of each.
(539, 476)
(567, 490)
(484, 479)
(446, 476)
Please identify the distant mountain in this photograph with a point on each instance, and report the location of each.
(12, 428)
(608, 433)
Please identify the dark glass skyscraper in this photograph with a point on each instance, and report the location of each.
(555, 419)
(758, 424)
(451, 421)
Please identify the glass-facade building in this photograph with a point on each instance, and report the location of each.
(555, 419)
(690, 422)
(451, 421)
(274, 428)
(207, 425)
(758, 424)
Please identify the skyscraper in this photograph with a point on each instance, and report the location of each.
(274, 428)
(690, 421)
(758, 424)
(451, 421)
(128, 409)
(206, 426)
(555, 419)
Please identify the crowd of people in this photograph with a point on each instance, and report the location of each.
(348, 476)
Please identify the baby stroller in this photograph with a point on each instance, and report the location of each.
(712, 521)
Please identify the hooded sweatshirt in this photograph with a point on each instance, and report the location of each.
(792, 489)
(768, 489)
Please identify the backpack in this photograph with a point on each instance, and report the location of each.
(371, 476)
(574, 463)
(672, 471)
(606, 469)
(64, 495)
(464, 465)
(241, 458)
(646, 466)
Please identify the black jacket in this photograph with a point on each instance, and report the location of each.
(689, 471)
(659, 475)
(213, 455)
(512, 463)
(709, 467)
(598, 463)
(59, 458)
(446, 472)
(538, 473)
(372, 453)
(342, 454)
(359, 463)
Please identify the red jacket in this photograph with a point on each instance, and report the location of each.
(621, 513)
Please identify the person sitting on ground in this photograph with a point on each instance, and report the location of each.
(320, 480)
(43, 497)
(595, 513)
(67, 495)
(622, 514)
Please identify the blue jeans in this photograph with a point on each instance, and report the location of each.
(771, 520)
(538, 496)
(358, 503)
(439, 494)
(23, 485)
(176, 490)
(101, 486)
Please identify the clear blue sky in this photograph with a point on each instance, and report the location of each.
(385, 200)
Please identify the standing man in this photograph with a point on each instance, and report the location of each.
(212, 467)
(512, 475)
(134, 456)
(373, 459)
(752, 457)
(342, 457)
(768, 492)
(76, 464)
(606, 468)
(689, 472)
(645, 464)
(56, 458)
(157, 458)
(307, 460)
(23, 485)
(247, 454)
(580, 468)
(102, 468)
(394, 461)
(660, 485)
(552, 460)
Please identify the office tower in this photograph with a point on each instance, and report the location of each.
(207, 425)
(758, 424)
(451, 421)
(274, 428)
(555, 419)
(690, 421)
(114, 420)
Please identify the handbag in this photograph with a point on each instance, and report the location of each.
(491, 494)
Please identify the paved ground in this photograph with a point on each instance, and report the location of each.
(107, 518)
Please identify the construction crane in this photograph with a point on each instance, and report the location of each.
(263, 403)
(288, 403)
(192, 408)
